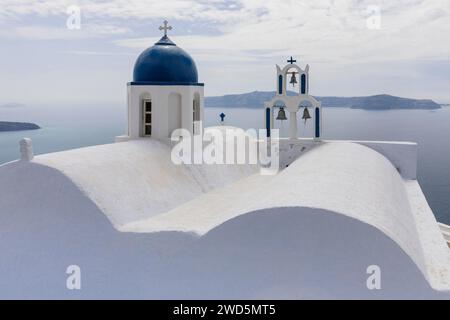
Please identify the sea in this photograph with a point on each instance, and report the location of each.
(67, 127)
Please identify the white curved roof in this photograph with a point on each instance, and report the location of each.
(137, 179)
(139, 189)
(344, 178)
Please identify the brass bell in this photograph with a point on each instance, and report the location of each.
(306, 114)
(293, 79)
(281, 114)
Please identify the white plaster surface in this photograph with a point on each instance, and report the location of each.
(161, 107)
(345, 178)
(403, 155)
(196, 232)
(137, 179)
(26, 149)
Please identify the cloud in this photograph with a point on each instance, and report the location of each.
(98, 53)
(137, 9)
(38, 32)
(317, 30)
(237, 42)
(323, 30)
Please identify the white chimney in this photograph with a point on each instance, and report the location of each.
(26, 149)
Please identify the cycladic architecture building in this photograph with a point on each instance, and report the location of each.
(165, 93)
(138, 225)
(301, 101)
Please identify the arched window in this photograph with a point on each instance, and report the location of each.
(196, 114)
(280, 84)
(146, 117)
(174, 109)
(303, 84)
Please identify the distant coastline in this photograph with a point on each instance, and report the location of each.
(6, 126)
(256, 99)
(12, 105)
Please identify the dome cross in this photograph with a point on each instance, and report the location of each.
(165, 27)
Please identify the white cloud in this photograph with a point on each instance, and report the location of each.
(326, 30)
(236, 43)
(98, 53)
(38, 32)
(320, 29)
(127, 9)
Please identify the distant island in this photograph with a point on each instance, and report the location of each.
(12, 105)
(256, 99)
(17, 126)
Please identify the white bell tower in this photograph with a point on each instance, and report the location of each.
(294, 102)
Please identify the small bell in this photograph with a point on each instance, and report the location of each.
(306, 114)
(293, 79)
(281, 114)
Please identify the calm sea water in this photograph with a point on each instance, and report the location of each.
(71, 127)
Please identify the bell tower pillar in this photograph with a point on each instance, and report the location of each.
(293, 125)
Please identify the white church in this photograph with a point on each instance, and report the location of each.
(165, 93)
(340, 219)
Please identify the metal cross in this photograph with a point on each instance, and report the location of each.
(291, 61)
(166, 27)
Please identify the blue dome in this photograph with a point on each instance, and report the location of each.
(165, 63)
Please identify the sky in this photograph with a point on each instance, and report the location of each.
(353, 47)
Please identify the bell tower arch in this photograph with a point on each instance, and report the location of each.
(291, 101)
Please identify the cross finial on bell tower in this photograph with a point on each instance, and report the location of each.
(291, 60)
(165, 27)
